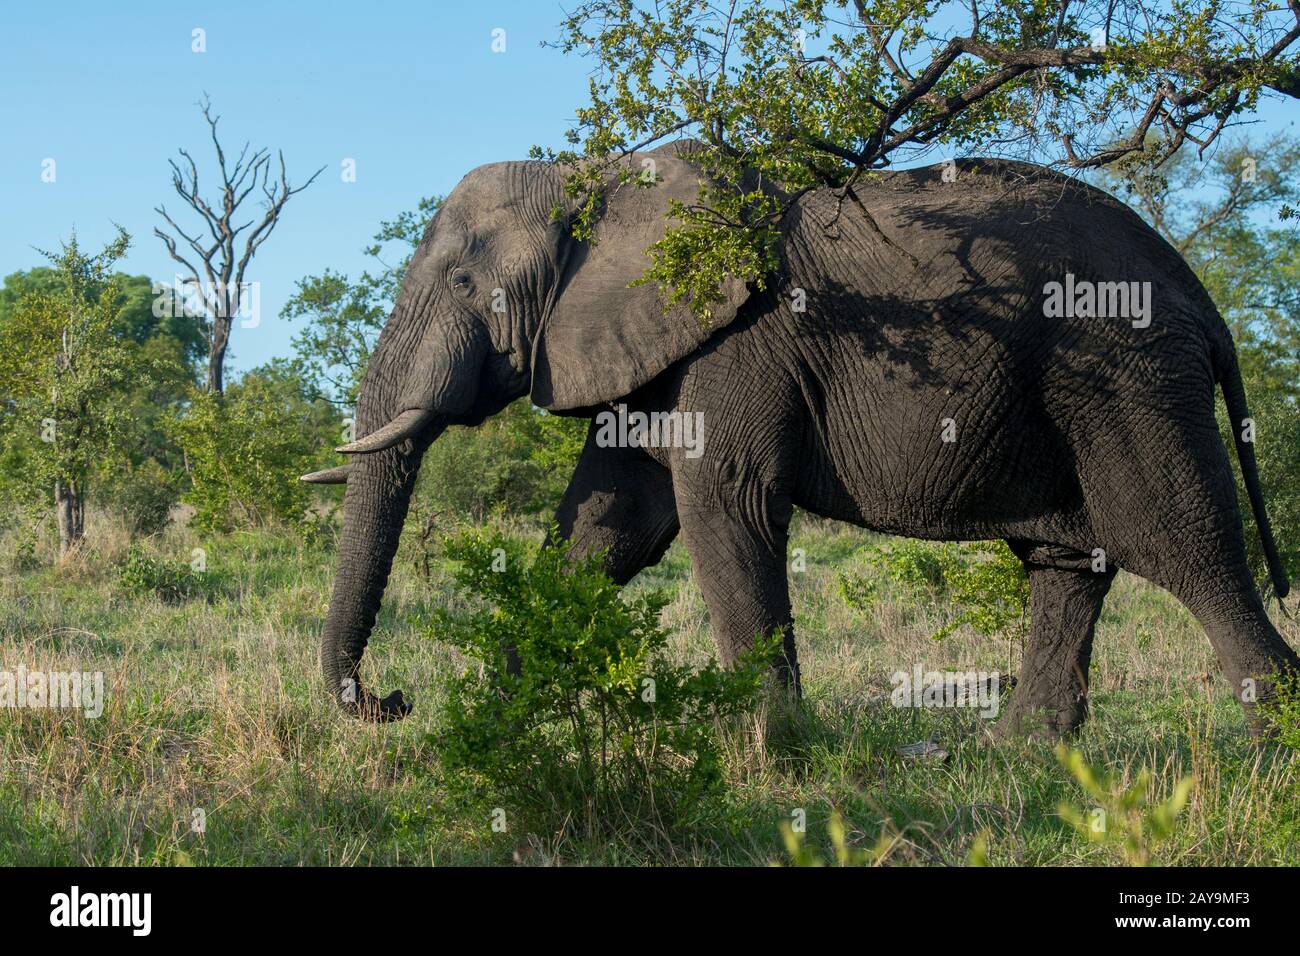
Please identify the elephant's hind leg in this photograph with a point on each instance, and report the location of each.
(1221, 594)
(1051, 696)
(620, 503)
(1174, 515)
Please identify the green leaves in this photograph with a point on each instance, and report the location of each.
(245, 449)
(597, 722)
(1124, 815)
(807, 93)
(990, 591)
(1281, 711)
(171, 581)
(517, 462)
(984, 584)
(67, 361)
(692, 262)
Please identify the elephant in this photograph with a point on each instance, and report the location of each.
(933, 356)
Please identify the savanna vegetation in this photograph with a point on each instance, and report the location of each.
(152, 527)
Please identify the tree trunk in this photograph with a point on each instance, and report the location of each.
(217, 353)
(70, 507)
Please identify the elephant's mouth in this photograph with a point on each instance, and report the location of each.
(409, 424)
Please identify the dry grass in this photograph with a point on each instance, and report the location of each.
(214, 705)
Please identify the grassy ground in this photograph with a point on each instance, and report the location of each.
(215, 704)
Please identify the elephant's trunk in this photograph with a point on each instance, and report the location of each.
(379, 492)
(423, 374)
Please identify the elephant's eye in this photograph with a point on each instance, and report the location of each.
(460, 280)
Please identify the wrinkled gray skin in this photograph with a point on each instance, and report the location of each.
(1071, 434)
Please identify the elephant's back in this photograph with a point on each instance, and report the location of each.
(991, 216)
(985, 240)
(937, 295)
(928, 307)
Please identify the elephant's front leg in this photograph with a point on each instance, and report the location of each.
(619, 503)
(735, 525)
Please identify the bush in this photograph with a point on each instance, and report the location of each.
(984, 582)
(517, 462)
(914, 567)
(246, 449)
(1122, 815)
(597, 726)
(1281, 713)
(144, 497)
(989, 589)
(21, 536)
(145, 574)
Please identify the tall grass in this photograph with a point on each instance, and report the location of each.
(215, 715)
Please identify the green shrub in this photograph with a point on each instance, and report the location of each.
(984, 583)
(989, 590)
(24, 558)
(916, 568)
(1122, 815)
(845, 854)
(143, 573)
(22, 535)
(518, 462)
(1282, 711)
(598, 726)
(857, 590)
(144, 498)
(246, 449)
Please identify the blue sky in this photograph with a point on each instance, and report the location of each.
(411, 91)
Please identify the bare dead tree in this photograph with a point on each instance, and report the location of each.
(214, 263)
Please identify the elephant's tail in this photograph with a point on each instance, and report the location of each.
(1234, 396)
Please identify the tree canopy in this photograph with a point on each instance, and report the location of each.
(812, 93)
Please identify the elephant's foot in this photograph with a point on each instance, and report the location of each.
(1041, 716)
(390, 708)
(1259, 699)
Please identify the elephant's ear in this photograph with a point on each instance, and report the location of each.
(603, 338)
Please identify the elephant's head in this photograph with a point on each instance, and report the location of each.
(499, 301)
